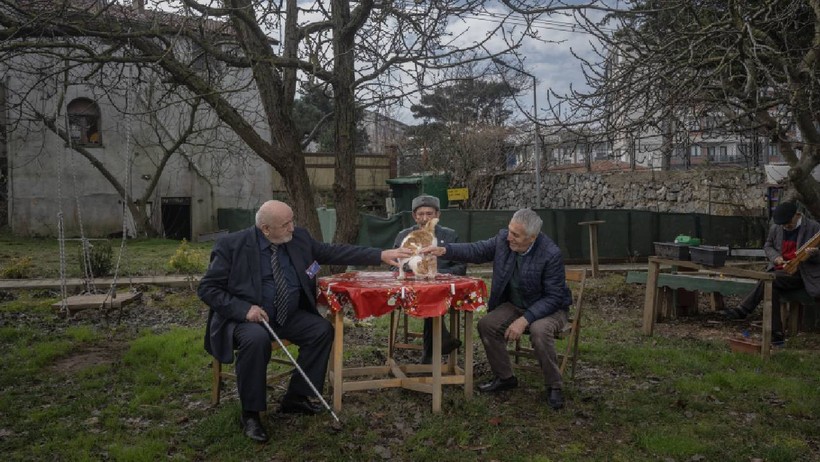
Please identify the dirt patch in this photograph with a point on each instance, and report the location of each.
(88, 357)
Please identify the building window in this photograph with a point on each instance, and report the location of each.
(694, 151)
(724, 155)
(710, 153)
(84, 122)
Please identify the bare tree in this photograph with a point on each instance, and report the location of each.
(367, 52)
(667, 69)
(466, 131)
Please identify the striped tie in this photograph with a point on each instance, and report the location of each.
(282, 299)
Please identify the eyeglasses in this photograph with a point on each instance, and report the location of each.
(284, 225)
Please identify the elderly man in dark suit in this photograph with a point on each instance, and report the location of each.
(267, 272)
(425, 208)
(529, 289)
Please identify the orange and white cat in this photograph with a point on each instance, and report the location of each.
(423, 266)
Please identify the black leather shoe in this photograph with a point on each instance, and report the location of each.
(253, 428)
(555, 398)
(450, 345)
(299, 405)
(447, 347)
(498, 385)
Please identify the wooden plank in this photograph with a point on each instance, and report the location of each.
(698, 281)
(725, 270)
(72, 283)
(651, 299)
(77, 303)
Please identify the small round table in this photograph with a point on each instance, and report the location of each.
(372, 294)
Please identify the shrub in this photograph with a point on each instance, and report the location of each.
(100, 258)
(187, 260)
(17, 268)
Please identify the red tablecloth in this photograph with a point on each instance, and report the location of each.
(378, 293)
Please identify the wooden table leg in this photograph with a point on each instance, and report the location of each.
(336, 358)
(593, 248)
(437, 364)
(394, 330)
(468, 354)
(767, 320)
(651, 300)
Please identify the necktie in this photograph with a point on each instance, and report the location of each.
(282, 298)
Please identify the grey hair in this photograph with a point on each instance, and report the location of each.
(531, 221)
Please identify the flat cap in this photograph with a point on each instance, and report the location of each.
(784, 213)
(426, 201)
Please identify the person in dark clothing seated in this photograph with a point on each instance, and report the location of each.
(529, 290)
(791, 230)
(425, 208)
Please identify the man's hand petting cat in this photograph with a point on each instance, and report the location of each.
(391, 257)
(433, 250)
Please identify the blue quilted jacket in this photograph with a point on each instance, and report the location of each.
(543, 282)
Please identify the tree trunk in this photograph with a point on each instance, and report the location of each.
(344, 185)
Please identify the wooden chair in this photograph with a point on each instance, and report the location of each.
(576, 279)
(399, 327)
(218, 383)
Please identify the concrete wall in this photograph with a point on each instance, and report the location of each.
(48, 178)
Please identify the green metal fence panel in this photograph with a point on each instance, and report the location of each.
(568, 234)
(613, 235)
(235, 219)
(486, 223)
(670, 225)
(641, 232)
(459, 220)
(733, 231)
(380, 232)
(626, 235)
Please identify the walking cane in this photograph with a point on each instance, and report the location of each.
(298, 368)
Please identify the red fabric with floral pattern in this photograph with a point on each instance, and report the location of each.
(378, 293)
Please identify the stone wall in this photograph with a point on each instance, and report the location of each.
(716, 191)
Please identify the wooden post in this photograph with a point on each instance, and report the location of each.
(767, 320)
(593, 243)
(650, 302)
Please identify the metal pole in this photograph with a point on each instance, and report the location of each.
(298, 368)
(537, 143)
(537, 139)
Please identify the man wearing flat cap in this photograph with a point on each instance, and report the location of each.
(425, 208)
(790, 231)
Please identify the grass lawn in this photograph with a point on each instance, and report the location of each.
(135, 385)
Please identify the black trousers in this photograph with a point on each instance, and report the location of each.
(427, 336)
(783, 281)
(313, 335)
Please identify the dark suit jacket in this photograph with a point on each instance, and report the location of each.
(233, 282)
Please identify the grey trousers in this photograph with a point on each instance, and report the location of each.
(491, 329)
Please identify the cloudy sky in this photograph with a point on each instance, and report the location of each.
(549, 59)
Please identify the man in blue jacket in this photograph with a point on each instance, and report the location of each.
(425, 208)
(529, 290)
(268, 272)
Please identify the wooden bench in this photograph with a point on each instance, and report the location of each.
(791, 301)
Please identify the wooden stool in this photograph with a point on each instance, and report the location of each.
(571, 331)
(217, 382)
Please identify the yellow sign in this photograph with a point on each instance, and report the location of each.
(457, 194)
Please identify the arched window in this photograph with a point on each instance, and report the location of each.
(84, 122)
